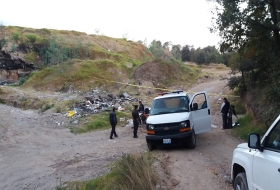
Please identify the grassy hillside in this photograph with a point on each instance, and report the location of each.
(84, 61)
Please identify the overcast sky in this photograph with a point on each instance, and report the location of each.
(184, 22)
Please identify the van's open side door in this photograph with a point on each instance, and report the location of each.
(200, 112)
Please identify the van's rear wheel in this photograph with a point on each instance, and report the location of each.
(192, 142)
(151, 147)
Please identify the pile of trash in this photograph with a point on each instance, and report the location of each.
(97, 102)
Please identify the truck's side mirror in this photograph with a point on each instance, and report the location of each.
(195, 106)
(254, 141)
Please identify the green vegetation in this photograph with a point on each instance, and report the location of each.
(98, 122)
(252, 41)
(2, 42)
(247, 126)
(2, 101)
(46, 107)
(31, 57)
(132, 171)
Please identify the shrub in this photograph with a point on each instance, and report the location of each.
(31, 57)
(247, 126)
(46, 107)
(16, 36)
(22, 80)
(14, 48)
(2, 42)
(2, 101)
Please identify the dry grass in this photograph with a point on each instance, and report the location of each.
(132, 171)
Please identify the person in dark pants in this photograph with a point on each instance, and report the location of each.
(136, 121)
(230, 113)
(113, 121)
(141, 110)
(141, 107)
(224, 111)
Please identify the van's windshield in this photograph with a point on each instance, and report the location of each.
(170, 105)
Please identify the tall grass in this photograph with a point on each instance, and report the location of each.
(135, 172)
(247, 126)
(132, 171)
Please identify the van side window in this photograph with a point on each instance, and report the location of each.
(200, 99)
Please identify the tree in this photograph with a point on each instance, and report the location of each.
(156, 48)
(251, 29)
(186, 53)
(176, 51)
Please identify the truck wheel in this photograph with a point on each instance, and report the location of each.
(240, 182)
(192, 143)
(151, 147)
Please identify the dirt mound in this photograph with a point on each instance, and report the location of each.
(158, 73)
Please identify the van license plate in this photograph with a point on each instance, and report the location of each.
(166, 141)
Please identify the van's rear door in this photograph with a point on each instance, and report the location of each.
(200, 112)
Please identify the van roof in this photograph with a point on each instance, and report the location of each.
(171, 94)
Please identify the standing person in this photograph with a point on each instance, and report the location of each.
(136, 121)
(141, 111)
(224, 111)
(113, 121)
(230, 113)
(141, 107)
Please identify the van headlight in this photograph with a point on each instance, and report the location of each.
(183, 124)
(151, 127)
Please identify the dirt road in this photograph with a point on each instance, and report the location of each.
(37, 153)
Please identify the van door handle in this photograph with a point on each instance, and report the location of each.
(278, 169)
(209, 114)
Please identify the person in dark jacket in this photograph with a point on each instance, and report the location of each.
(224, 110)
(136, 121)
(141, 107)
(113, 121)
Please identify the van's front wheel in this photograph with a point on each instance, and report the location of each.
(151, 147)
(192, 142)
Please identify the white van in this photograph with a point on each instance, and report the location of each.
(175, 118)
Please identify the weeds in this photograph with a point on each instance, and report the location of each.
(46, 107)
(132, 171)
(2, 101)
(247, 126)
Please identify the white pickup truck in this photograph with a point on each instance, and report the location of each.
(256, 164)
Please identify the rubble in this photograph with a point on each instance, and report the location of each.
(97, 102)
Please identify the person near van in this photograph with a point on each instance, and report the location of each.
(113, 122)
(141, 107)
(224, 110)
(230, 113)
(136, 121)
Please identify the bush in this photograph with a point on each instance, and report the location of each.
(46, 107)
(2, 101)
(31, 57)
(2, 42)
(16, 36)
(235, 82)
(247, 126)
(14, 48)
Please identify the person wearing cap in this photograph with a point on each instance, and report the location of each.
(113, 122)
